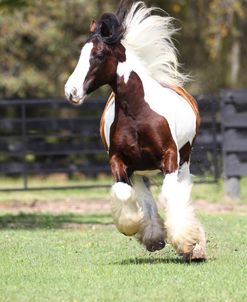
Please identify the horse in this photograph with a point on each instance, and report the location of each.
(148, 126)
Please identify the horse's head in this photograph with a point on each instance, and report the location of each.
(98, 60)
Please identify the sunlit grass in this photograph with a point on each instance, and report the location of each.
(43, 259)
(215, 192)
(212, 192)
(55, 181)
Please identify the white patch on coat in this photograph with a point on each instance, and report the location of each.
(74, 85)
(124, 71)
(109, 119)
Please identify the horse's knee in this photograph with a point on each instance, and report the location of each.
(169, 189)
(126, 212)
(170, 159)
(119, 169)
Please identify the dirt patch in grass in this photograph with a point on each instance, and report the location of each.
(94, 206)
(220, 208)
(75, 206)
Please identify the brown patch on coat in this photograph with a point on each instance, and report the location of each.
(184, 153)
(140, 137)
(181, 91)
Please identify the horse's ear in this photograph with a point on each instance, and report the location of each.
(93, 26)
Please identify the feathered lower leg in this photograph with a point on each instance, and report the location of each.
(151, 232)
(184, 231)
(126, 212)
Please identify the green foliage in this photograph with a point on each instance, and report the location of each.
(33, 52)
(65, 258)
(40, 42)
(11, 5)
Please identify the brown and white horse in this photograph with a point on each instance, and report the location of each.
(149, 124)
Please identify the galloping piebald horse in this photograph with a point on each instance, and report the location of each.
(148, 125)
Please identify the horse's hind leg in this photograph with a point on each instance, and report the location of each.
(126, 211)
(184, 231)
(151, 232)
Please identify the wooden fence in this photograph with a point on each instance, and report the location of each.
(234, 130)
(51, 136)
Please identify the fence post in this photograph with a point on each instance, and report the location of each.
(232, 187)
(233, 121)
(232, 183)
(214, 138)
(24, 139)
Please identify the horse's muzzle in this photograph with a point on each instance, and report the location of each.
(73, 97)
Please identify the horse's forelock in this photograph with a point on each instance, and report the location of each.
(112, 24)
(109, 29)
(111, 20)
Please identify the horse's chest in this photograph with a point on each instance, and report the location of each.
(140, 142)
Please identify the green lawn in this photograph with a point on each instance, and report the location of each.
(83, 258)
(210, 192)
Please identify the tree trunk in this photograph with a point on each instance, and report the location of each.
(234, 61)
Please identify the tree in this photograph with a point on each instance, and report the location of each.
(40, 42)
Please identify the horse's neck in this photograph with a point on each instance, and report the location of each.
(129, 86)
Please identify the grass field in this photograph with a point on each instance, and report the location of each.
(210, 192)
(83, 258)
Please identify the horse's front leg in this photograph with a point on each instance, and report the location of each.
(184, 231)
(152, 231)
(126, 211)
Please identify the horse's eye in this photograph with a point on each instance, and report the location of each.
(95, 56)
(100, 56)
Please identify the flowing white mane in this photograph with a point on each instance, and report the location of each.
(149, 35)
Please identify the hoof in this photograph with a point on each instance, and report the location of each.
(194, 253)
(156, 246)
(198, 253)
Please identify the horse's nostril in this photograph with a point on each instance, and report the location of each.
(74, 91)
(70, 97)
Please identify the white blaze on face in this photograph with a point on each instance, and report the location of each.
(74, 87)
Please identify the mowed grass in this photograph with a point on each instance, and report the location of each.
(83, 258)
(213, 192)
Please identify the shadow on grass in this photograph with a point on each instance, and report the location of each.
(167, 260)
(46, 221)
